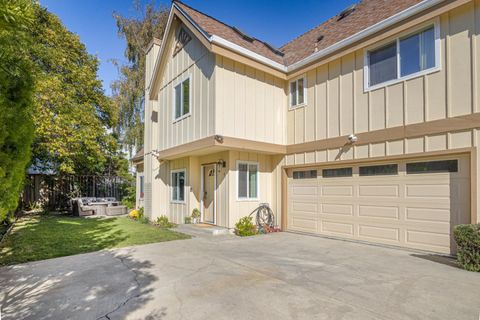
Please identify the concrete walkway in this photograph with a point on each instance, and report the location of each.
(279, 276)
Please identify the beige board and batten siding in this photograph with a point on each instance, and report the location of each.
(338, 104)
(250, 104)
(196, 62)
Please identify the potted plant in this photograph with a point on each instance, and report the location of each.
(196, 215)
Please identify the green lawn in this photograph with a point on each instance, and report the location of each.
(43, 236)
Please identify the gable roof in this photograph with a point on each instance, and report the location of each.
(212, 26)
(138, 157)
(366, 14)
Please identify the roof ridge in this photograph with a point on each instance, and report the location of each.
(186, 5)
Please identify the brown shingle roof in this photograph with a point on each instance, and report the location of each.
(213, 26)
(366, 14)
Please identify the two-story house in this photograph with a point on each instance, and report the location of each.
(365, 127)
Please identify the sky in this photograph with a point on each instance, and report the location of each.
(274, 21)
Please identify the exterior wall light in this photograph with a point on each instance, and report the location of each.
(352, 138)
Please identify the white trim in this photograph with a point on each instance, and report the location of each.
(426, 4)
(174, 98)
(248, 182)
(184, 170)
(202, 190)
(304, 103)
(438, 65)
(255, 56)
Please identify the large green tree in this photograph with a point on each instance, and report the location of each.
(16, 91)
(128, 91)
(72, 113)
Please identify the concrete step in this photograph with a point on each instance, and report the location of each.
(203, 229)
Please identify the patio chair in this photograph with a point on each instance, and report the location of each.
(81, 209)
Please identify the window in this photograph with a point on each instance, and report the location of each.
(182, 99)
(387, 169)
(178, 185)
(142, 186)
(404, 57)
(297, 92)
(247, 180)
(335, 173)
(432, 166)
(309, 174)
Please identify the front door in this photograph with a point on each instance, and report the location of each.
(209, 193)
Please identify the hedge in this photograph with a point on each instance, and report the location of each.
(467, 237)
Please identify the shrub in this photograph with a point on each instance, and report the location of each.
(129, 199)
(163, 222)
(136, 214)
(245, 227)
(196, 213)
(188, 220)
(467, 237)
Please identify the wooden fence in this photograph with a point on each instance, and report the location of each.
(54, 192)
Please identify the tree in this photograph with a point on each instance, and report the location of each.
(16, 91)
(72, 112)
(129, 90)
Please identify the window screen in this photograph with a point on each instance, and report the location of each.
(387, 169)
(334, 173)
(307, 174)
(383, 64)
(432, 166)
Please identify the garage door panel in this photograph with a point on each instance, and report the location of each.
(427, 215)
(379, 233)
(441, 191)
(415, 210)
(378, 191)
(337, 209)
(336, 190)
(434, 241)
(382, 212)
(337, 228)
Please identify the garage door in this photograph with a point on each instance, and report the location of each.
(413, 203)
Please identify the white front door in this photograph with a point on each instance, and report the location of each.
(209, 193)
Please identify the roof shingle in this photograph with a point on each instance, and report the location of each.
(366, 14)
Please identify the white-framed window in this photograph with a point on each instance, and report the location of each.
(182, 99)
(409, 55)
(247, 180)
(142, 186)
(298, 92)
(178, 185)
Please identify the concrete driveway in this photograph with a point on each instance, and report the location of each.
(279, 276)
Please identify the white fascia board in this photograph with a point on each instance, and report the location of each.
(245, 52)
(419, 7)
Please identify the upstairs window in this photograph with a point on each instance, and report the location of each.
(181, 107)
(297, 93)
(403, 58)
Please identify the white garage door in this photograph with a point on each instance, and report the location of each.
(411, 203)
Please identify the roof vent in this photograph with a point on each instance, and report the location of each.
(346, 12)
(320, 38)
(275, 50)
(243, 34)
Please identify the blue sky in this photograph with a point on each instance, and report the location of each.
(276, 22)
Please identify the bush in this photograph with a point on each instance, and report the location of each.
(163, 222)
(136, 214)
(467, 237)
(188, 220)
(196, 213)
(245, 227)
(129, 199)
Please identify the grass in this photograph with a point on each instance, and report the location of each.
(39, 237)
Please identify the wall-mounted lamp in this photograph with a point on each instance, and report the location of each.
(222, 163)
